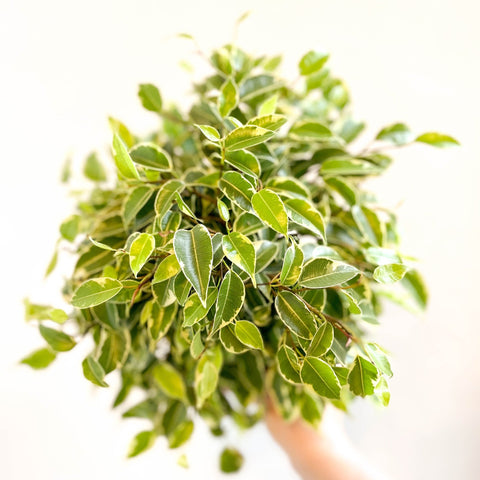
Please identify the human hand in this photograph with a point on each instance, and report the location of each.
(324, 454)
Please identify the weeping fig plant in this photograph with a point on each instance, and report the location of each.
(235, 255)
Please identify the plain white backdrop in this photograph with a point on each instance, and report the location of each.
(66, 66)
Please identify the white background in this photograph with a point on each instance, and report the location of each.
(66, 65)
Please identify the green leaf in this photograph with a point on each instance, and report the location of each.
(362, 376)
(292, 265)
(134, 202)
(114, 351)
(206, 379)
(39, 359)
(379, 358)
(161, 319)
(228, 97)
(70, 227)
(320, 375)
(268, 106)
(349, 166)
(141, 443)
(231, 296)
(368, 223)
(169, 380)
(210, 133)
(245, 161)
(308, 130)
(194, 311)
(181, 434)
(265, 252)
(322, 341)
(245, 137)
(414, 283)
(167, 268)
(248, 333)
(194, 252)
(271, 210)
(311, 62)
(398, 133)
(150, 97)
(237, 189)
(437, 140)
(52, 264)
(229, 340)
(93, 169)
(382, 392)
(390, 273)
(196, 347)
(269, 122)
(323, 273)
(223, 211)
(58, 341)
(151, 156)
(231, 460)
(303, 213)
(240, 251)
(122, 131)
(95, 291)
(295, 315)
(288, 366)
(122, 159)
(140, 251)
(94, 372)
(166, 195)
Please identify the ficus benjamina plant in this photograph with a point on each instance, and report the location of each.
(235, 255)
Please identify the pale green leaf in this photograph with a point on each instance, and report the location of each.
(245, 137)
(166, 195)
(321, 341)
(240, 251)
(269, 122)
(245, 161)
(311, 62)
(210, 133)
(228, 97)
(249, 334)
(150, 97)
(288, 365)
(437, 140)
(271, 210)
(39, 359)
(169, 380)
(167, 268)
(390, 273)
(230, 300)
(140, 251)
(302, 212)
(292, 265)
(93, 371)
(123, 160)
(93, 169)
(95, 291)
(142, 442)
(323, 273)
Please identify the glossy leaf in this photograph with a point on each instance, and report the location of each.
(321, 341)
(244, 161)
(362, 376)
(271, 210)
(95, 291)
(303, 213)
(140, 251)
(288, 364)
(246, 137)
(292, 265)
(194, 252)
(123, 160)
(166, 195)
(230, 299)
(166, 269)
(241, 252)
(323, 273)
(151, 156)
(295, 315)
(248, 333)
(320, 375)
(237, 189)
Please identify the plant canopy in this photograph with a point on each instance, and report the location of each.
(235, 254)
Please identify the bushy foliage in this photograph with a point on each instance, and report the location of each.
(236, 255)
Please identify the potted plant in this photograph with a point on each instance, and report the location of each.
(236, 255)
